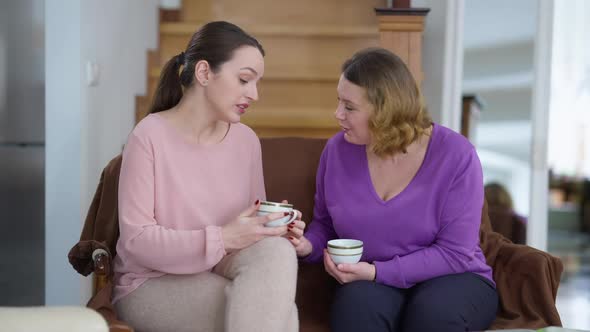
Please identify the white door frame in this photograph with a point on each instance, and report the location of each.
(442, 60)
(537, 227)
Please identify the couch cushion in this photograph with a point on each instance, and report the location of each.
(290, 165)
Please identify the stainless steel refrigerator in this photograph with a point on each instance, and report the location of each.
(22, 153)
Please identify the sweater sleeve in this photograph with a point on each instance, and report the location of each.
(320, 230)
(145, 241)
(257, 190)
(457, 238)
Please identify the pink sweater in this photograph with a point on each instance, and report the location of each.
(174, 197)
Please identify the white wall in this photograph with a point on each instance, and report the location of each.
(442, 60)
(87, 125)
(542, 93)
(116, 36)
(569, 115)
(63, 148)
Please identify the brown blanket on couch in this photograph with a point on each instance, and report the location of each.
(527, 279)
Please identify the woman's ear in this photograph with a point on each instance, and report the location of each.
(202, 72)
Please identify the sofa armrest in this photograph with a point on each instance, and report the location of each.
(527, 265)
(529, 279)
(50, 319)
(102, 291)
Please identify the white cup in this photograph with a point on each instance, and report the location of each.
(268, 207)
(345, 251)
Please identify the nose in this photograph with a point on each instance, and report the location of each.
(339, 113)
(253, 93)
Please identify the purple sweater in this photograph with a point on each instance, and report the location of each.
(430, 229)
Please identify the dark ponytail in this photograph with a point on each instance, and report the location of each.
(169, 89)
(215, 42)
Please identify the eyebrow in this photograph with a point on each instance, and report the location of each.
(250, 69)
(347, 101)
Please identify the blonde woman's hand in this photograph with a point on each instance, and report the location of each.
(247, 228)
(345, 273)
(295, 235)
(302, 245)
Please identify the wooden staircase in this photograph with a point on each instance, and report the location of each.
(306, 42)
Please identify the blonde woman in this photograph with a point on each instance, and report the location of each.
(412, 191)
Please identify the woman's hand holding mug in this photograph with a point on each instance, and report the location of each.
(249, 228)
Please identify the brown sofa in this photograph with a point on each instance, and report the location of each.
(527, 279)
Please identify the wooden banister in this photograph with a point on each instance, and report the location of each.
(400, 31)
(471, 109)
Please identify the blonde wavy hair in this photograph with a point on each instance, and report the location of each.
(399, 115)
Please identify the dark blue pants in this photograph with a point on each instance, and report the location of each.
(459, 302)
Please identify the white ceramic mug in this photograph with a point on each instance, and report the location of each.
(345, 251)
(268, 207)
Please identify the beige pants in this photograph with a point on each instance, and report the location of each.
(251, 290)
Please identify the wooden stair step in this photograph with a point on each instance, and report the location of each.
(306, 42)
(280, 103)
(142, 107)
(291, 57)
(292, 121)
(301, 12)
(278, 92)
(274, 77)
(286, 117)
(276, 121)
(295, 93)
(296, 132)
(153, 59)
(187, 29)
